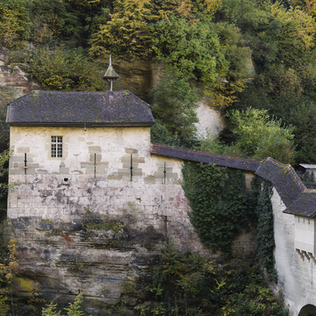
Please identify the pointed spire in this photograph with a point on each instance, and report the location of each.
(110, 74)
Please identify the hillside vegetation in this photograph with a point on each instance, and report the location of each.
(255, 60)
(242, 54)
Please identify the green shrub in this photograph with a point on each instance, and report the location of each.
(259, 137)
(74, 309)
(63, 69)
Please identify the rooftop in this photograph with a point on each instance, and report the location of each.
(199, 156)
(59, 108)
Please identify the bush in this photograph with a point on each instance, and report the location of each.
(63, 69)
(160, 135)
(259, 137)
(74, 309)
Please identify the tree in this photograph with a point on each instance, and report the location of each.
(239, 70)
(192, 49)
(52, 21)
(174, 101)
(259, 136)
(63, 69)
(13, 23)
(127, 33)
(159, 134)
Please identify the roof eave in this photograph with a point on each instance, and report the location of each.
(81, 124)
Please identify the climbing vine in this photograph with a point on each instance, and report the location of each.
(219, 203)
(222, 208)
(264, 231)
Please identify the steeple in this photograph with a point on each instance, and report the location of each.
(111, 75)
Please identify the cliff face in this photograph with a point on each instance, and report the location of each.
(96, 254)
(14, 82)
(90, 255)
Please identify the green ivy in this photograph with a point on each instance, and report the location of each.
(265, 230)
(222, 208)
(219, 203)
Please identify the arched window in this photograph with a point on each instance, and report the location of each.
(308, 310)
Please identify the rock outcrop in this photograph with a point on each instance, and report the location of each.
(14, 81)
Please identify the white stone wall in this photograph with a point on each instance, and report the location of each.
(296, 273)
(62, 189)
(305, 236)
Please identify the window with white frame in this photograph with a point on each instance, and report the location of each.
(56, 146)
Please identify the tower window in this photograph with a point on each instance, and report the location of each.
(57, 146)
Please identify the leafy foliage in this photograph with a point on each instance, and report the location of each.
(259, 137)
(174, 101)
(13, 22)
(160, 135)
(8, 272)
(193, 50)
(238, 73)
(253, 135)
(51, 21)
(62, 69)
(191, 284)
(74, 309)
(219, 204)
(222, 208)
(275, 33)
(4, 186)
(125, 31)
(265, 230)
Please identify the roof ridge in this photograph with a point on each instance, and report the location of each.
(136, 97)
(204, 157)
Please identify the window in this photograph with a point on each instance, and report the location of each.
(57, 146)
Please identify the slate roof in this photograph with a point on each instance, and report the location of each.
(297, 198)
(199, 156)
(59, 108)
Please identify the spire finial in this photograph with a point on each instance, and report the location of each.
(111, 75)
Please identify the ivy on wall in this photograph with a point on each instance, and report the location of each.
(265, 231)
(219, 204)
(222, 208)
